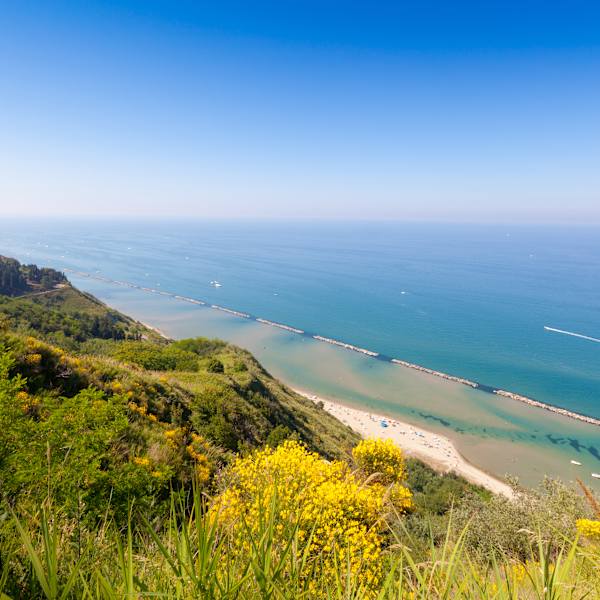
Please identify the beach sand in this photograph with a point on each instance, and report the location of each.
(435, 450)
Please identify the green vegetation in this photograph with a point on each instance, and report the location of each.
(17, 279)
(132, 466)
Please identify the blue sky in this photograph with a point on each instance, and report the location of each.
(426, 110)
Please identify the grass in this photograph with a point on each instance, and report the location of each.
(188, 557)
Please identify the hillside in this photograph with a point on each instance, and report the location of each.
(17, 279)
(134, 466)
(70, 352)
(66, 316)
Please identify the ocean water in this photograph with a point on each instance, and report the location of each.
(465, 299)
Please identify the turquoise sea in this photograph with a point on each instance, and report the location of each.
(471, 300)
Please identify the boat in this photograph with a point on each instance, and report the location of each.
(576, 462)
(596, 475)
(384, 423)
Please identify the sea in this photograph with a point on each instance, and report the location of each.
(502, 305)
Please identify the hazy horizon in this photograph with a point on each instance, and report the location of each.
(462, 113)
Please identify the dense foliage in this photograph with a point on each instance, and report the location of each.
(41, 315)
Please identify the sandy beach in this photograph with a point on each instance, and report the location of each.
(435, 450)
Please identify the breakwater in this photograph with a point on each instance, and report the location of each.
(345, 345)
(453, 378)
(555, 409)
(235, 313)
(280, 325)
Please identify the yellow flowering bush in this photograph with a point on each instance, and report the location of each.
(29, 404)
(33, 359)
(589, 528)
(174, 437)
(198, 450)
(337, 518)
(400, 498)
(380, 456)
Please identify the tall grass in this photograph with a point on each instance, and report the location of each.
(49, 556)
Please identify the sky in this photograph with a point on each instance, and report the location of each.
(444, 111)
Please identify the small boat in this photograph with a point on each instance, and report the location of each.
(384, 423)
(596, 475)
(576, 462)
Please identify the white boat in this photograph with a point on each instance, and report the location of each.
(215, 284)
(576, 462)
(596, 475)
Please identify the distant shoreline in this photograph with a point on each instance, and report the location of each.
(434, 449)
(369, 353)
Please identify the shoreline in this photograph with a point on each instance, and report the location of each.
(435, 450)
(156, 330)
(496, 391)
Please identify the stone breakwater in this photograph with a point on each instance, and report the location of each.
(408, 365)
(235, 313)
(345, 345)
(280, 325)
(453, 378)
(555, 409)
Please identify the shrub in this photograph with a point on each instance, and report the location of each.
(382, 457)
(200, 346)
(500, 526)
(214, 365)
(240, 366)
(278, 435)
(333, 515)
(156, 357)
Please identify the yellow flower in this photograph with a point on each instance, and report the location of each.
(33, 359)
(31, 342)
(589, 528)
(519, 571)
(336, 517)
(400, 498)
(380, 456)
(28, 403)
(141, 461)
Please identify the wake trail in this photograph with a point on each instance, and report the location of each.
(572, 334)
